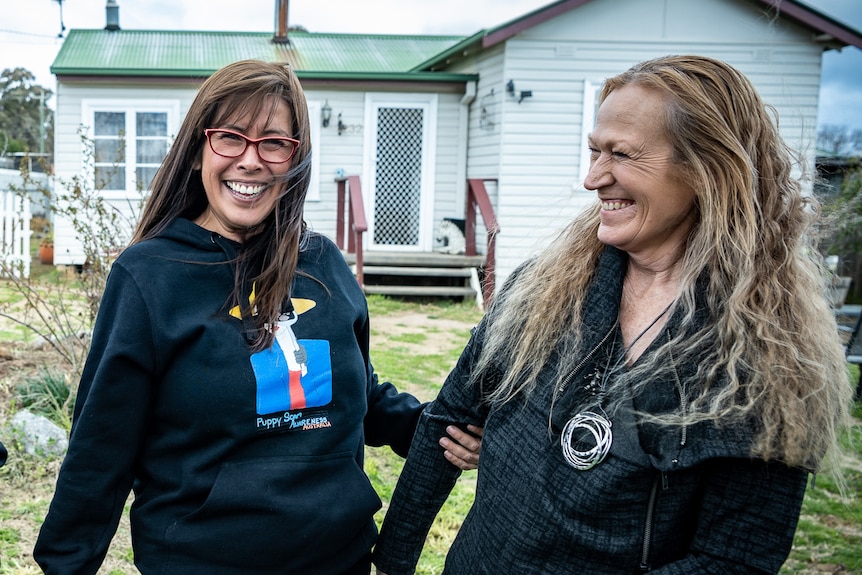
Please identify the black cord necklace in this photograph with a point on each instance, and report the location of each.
(587, 437)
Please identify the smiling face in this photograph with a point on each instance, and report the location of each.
(647, 208)
(241, 192)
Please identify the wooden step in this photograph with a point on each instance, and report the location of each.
(420, 274)
(417, 259)
(415, 271)
(430, 291)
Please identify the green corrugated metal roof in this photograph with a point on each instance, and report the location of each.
(178, 54)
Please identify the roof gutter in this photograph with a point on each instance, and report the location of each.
(388, 76)
(448, 83)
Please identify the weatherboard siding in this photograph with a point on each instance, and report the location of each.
(338, 153)
(484, 129)
(449, 195)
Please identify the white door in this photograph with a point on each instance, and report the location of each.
(399, 171)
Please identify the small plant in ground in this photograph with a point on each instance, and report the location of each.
(49, 394)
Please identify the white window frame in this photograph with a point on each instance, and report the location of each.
(588, 121)
(130, 108)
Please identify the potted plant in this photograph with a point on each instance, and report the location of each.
(46, 249)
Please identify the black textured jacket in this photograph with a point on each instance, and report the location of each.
(668, 501)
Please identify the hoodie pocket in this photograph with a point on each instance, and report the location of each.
(279, 512)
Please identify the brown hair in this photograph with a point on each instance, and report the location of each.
(248, 86)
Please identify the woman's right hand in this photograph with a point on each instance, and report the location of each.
(461, 448)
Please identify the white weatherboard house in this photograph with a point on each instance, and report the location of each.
(415, 126)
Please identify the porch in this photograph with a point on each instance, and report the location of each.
(420, 274)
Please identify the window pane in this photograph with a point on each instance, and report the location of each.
(110, 178)
(108, 151)
(151, 151)
(152, 124)
(145, 177)
(109, 123)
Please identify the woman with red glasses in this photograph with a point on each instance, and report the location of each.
(229, 381)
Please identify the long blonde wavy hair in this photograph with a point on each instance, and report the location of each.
(772, 350)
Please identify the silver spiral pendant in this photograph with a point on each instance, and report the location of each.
(592, 440)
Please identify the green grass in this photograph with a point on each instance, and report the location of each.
(829, 534)
(410, 338)
(379, 305)
(382, 305)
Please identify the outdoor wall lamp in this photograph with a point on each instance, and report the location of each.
(325, 114)
(510, 89)
(341, 125)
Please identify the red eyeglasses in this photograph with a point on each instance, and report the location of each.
(230, 144)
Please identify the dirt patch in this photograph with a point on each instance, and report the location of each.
(436, 332)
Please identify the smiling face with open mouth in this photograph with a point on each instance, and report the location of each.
(647, 207)
(242, 191)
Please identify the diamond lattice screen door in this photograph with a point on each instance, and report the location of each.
(401, 171)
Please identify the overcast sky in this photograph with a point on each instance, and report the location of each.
(30, 29)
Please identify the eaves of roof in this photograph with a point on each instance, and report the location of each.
(827, 29)
(398, 76)
(459, 51)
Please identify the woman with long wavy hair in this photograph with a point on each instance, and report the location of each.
(658, 384)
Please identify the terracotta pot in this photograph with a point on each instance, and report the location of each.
(46, 254)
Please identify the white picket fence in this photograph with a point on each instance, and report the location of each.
(15, 256)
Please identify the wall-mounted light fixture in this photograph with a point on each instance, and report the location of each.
(341, 125)
(325, 114)
(510, 89)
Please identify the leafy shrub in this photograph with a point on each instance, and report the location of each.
(48, 394)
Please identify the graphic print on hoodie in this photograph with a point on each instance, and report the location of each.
(293, 374)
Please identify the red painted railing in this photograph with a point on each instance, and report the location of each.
(477, 196)
(356, 224)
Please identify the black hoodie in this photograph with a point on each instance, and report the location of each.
(240, 462)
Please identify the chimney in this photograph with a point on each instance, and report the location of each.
(112, 15)
(280, 22)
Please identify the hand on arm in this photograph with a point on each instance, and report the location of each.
(462, 450)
